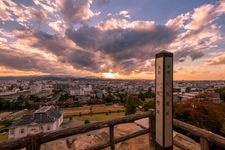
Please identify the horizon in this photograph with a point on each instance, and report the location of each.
(87, 78)
(112, 39)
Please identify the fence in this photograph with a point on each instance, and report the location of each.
(34, 142)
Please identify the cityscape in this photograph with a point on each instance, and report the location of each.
(82, 100)
(110, 74)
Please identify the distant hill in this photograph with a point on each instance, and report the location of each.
(47, 77)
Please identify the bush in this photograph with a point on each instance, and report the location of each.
(86, 121)
(7, 122)
(149, 105)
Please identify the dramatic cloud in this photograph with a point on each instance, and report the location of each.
(118, 23)
(61, 47)
(4, 14)
(22, 61)
(218, 60)
(62, 13)
(201, 16)
(70, 36)
(84, 60)
(181, 55)
(124, 13)
(122, 45)
(75, 11)
(102, 2)
(197, 31)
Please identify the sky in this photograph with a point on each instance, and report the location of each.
(112, 38)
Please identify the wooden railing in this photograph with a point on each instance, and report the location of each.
(206, 137)
(34, 142)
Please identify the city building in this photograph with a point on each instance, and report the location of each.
(35, 88)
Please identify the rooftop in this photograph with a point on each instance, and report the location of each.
(45, 114)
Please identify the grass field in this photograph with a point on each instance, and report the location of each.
(20, 115)
(3, 136)
(100, 117)
(94, 108)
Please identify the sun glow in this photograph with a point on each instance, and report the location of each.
(110, 75)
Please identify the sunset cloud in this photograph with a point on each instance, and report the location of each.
(218, 60)
(126, 47)
(87, 37)
(124, 13)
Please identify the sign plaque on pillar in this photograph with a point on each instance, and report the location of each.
(164, 100)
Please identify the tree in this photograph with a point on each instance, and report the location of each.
(141, 96)
(131, 105)
(34, 98)
(205, 114)
(188, 89)
(64, 97)
(109, 98)
(148, 94)
(221, 91)
(122, 98)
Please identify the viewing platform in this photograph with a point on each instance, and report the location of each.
(37, 141)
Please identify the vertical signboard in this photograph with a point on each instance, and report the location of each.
(164, 99)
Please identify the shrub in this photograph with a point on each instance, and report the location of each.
(7, 122)
(86, 121)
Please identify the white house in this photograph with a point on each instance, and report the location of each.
(47, 118)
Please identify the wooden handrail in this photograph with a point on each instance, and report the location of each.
(33, 142)
(119, 139)
(55, 135)
(202, 133)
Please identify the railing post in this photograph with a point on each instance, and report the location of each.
(111, 136)
(34, 143)
(152, 134)
(204, 144)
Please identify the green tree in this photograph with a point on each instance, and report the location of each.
(205, 114)
(109, 98)
(221, 91)
(141, 96)
(122, 98)
(64, 97)
(149, 94)
(131, 105)
(188, 89)
(34, 98)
